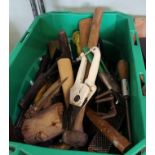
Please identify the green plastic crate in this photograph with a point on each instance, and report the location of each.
(117, 30)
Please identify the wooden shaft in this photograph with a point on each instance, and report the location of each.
(40, 93)
(84, 27)
(95, 27)
(53, 45)
(118, 140)
(78, 124)
(66, 71)
(64, 45)
(123, 69)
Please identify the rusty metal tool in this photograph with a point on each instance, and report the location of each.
(104, 97)
(102, 100)
(123, 70)
(118, 140)
(112, 112)
(100, 143)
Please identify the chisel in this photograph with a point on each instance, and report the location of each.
(123, 71)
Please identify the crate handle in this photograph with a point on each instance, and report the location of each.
(136, 47)
(140, 147)
(12, 150)
(16, 151)
(135, 38)
(143, 84)
(24, 37)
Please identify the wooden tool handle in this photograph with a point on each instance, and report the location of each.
(40, 93)
(78, 124)
(66, 71)
(53, 45)
(118, 140)
(123, 69)
(84, 27)
(64, 46)
(95, 27)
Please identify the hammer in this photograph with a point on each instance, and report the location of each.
(118, 140)
(76, 136)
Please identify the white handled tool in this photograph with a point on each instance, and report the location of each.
(81, 92)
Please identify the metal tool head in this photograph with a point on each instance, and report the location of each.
(79, 94)
(106, 101)
(82, 91)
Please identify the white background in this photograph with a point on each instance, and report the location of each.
(21, 14)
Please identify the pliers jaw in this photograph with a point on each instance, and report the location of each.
(81, 92)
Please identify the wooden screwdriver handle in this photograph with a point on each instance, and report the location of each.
(118, 140)
(95, 27)
(123, 69)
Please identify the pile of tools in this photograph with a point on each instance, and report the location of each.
(75, 101)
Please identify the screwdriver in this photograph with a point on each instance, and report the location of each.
(123, 70)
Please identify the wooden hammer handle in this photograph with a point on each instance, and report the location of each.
(118, 140)
(84, 27)
(95, 27)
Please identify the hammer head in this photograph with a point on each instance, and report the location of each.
(75, 138)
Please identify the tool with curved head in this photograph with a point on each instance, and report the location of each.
(123, 70)
(81, 92)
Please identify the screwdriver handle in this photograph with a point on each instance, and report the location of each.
(123, 69)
